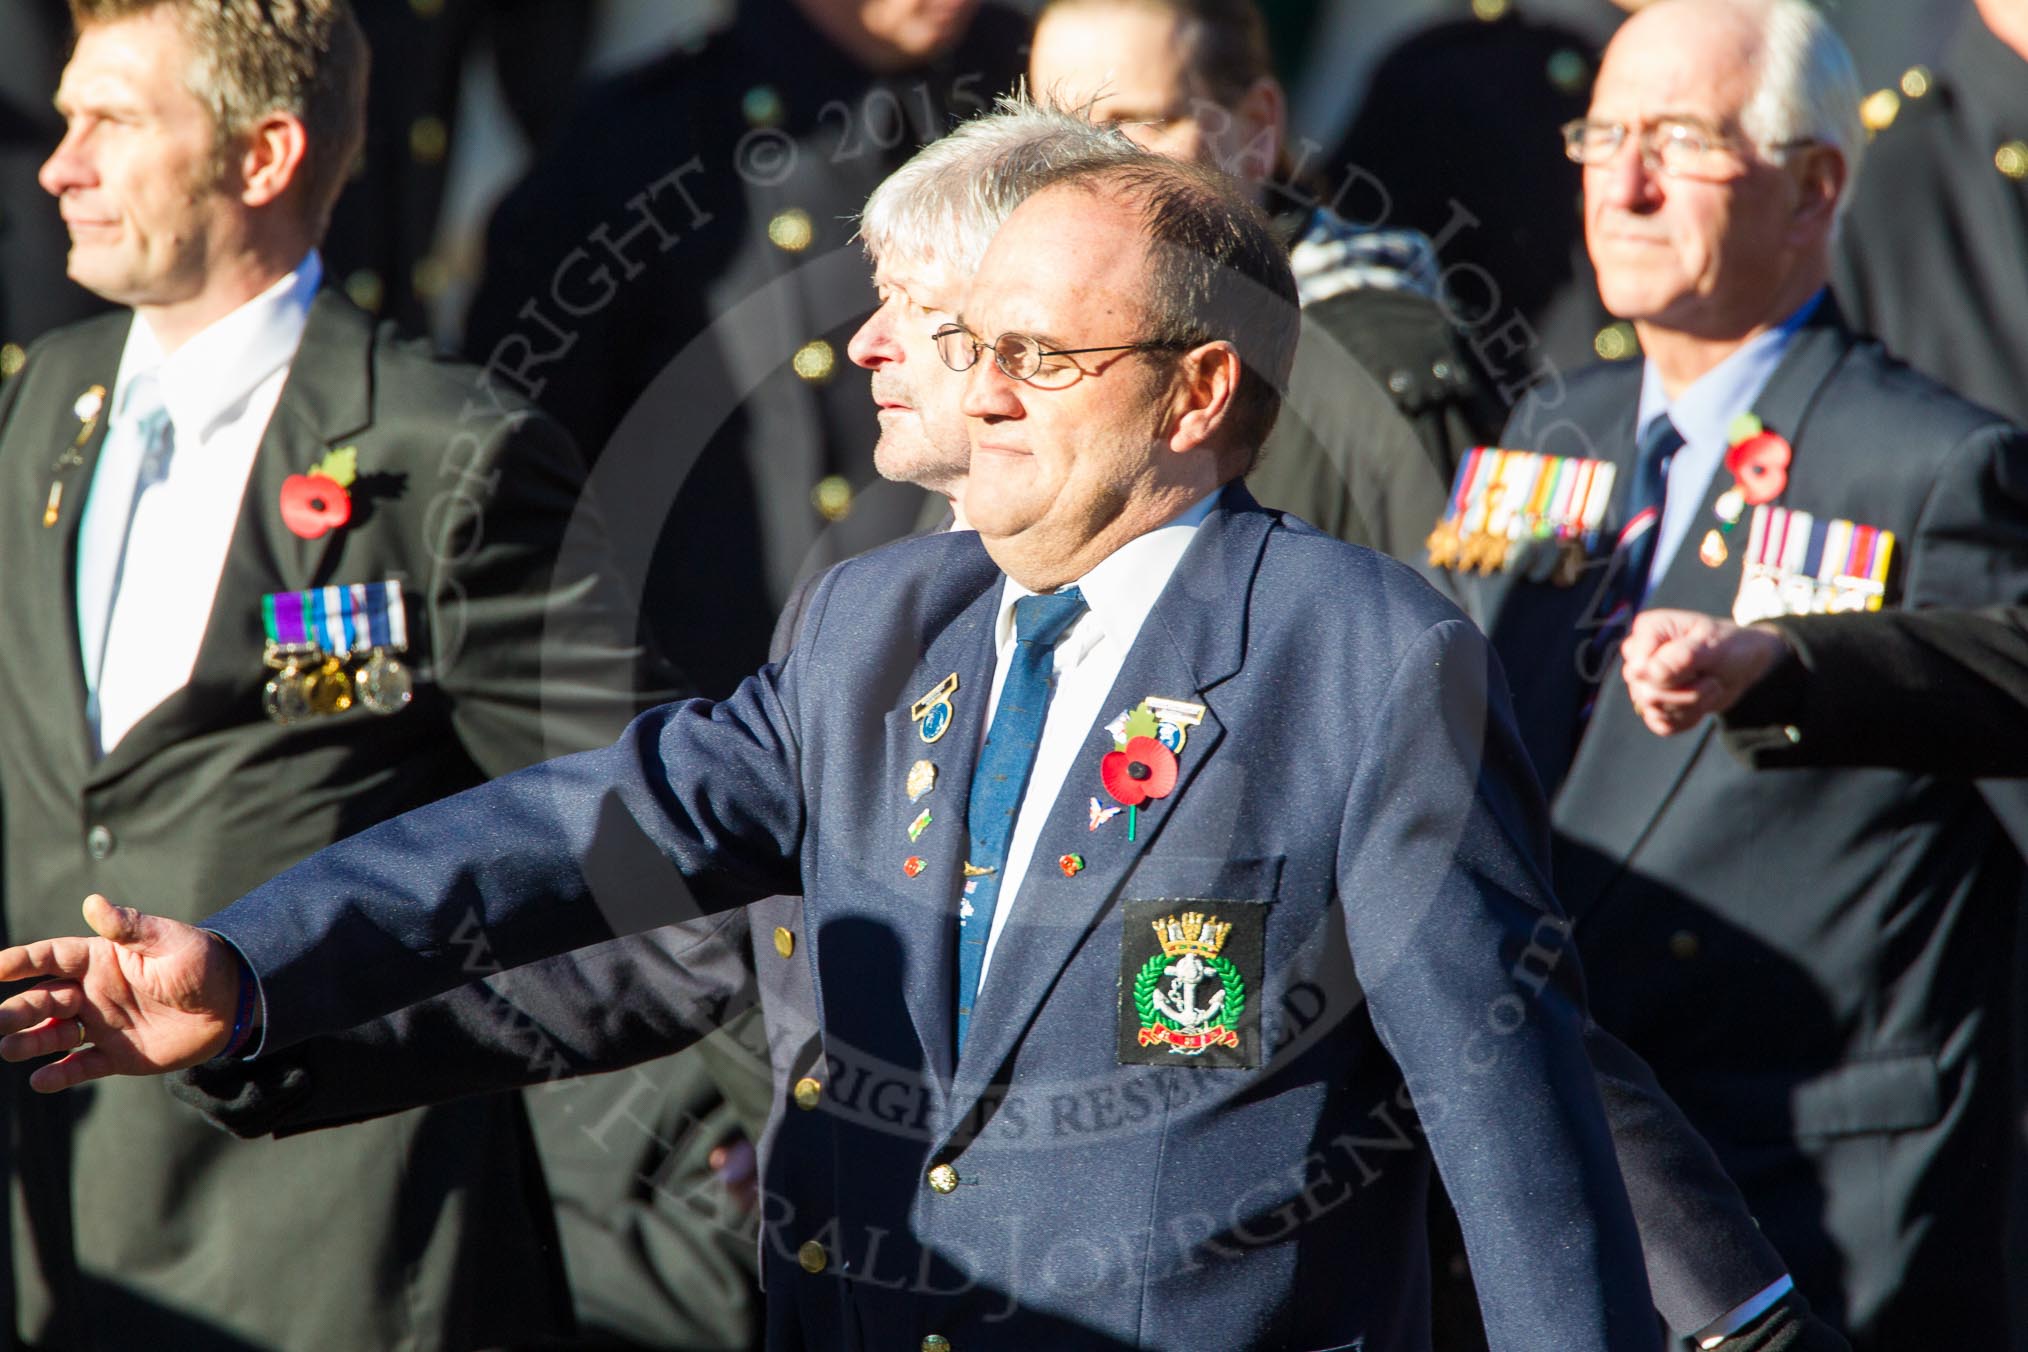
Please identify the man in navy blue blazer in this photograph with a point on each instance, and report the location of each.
(1179, 911)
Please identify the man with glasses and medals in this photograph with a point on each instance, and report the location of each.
(1815, 963)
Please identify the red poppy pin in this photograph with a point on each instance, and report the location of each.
(1139, 767)
(1759, 460)
(320, 500)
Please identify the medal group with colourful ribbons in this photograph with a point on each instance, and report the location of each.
(314, 639)
(1523, 511)
(1799, 564)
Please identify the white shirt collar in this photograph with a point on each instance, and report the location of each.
(207, 380)
(1121, 588)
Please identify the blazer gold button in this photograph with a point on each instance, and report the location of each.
(366, 290)
(1878, 110)
(812, 1257)
(428, 139)
(1683, 945)
(12, 358)
(943, 1179)
(815, 361)
(763, 107)
(809, 1092)
(99, 840)
(1615, 342)
(832, 497)
(936, 1342)
(791, 231)
(785, 942)
(2011, 159)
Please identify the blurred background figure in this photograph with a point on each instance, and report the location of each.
(35, 295)
(1382, 403)
(676, 280)
(1934, 257)
(1441, 115)
(436, 63)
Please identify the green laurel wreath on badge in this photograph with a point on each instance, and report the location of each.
(1151, 976)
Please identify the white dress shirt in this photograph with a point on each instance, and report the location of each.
(220, 389)
(1119, 592)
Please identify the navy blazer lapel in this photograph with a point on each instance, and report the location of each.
(929, 924)
(1620, 797)
(1193, 639)
(326, 398)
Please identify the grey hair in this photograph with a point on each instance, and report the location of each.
(944, 206)
(1808, 89)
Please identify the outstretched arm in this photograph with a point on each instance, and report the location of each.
(147, 994)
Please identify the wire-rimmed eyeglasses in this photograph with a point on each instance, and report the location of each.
(1678, 147)
(1019, 356)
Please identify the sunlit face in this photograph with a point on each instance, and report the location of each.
(1702, 256)
(135, 175)
(1061, 464)
(922, 428)
(901, 32)
(1132, 64)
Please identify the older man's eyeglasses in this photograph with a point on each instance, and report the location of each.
(1678, 147)
(1021, 357)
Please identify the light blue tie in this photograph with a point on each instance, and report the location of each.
(144, 421)
(1005, 762)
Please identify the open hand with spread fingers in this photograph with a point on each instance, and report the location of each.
(1681, 666)
(146, 995)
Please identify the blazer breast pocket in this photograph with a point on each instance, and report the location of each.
(1193, 961)
(1205, 878)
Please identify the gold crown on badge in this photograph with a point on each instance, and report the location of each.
(1191, 934)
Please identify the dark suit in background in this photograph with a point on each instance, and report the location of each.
(137, 1225)
(1944, 692)
(1816, 965)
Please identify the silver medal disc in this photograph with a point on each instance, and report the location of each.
(283, 698)
(383, 684)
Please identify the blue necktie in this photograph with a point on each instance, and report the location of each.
(1634, 552)
(1002, 777)
(145, 426)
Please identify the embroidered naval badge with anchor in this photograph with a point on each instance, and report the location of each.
(1190, 983)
